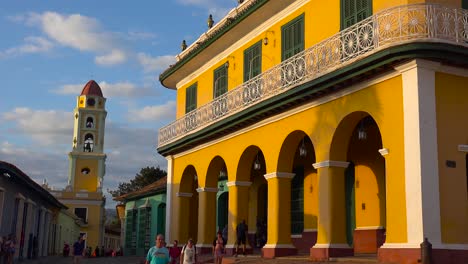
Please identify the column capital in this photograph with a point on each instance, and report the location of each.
(207, 189)
(238, 183)
(384, 151)
(420, 63)
(463, 148)
(283, 175)
(183, 194)
(331, 163)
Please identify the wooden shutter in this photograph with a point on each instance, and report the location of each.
(292, 38)
(191, 98)
(354, 11)
(220, 81)
(253, 61)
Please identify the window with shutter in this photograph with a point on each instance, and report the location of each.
(354, 11)
(292, 38)
(253, 61)
(465, 4)
(191, 98)
(220, 78)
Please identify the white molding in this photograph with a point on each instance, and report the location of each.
(310, 230)
(369, 228)
(207, 189)
(331, 163)
(400, 245)
(238, 183)
(29, 201)
(323, 100)
(170, 174)
(282, 175)
(463, 148)
(296, 236)
(258, 31)
(278, 246)
(331, 246)
(384, 151)
(421, 151)
(183, 194)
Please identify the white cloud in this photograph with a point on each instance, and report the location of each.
(217, 8)
(115, 57)
(154, 113)
(154, 64)
(31, 45)
(140, 35)
(119, 89)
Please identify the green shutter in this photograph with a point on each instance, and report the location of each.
(220, 78)
(253, 61)
(128, 229)
(297, 201)
(191, 98)
(141, 227)
(292, 38)
(354, 11)
(465, 4)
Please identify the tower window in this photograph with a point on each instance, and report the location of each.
(82, 213)
(89, 122)
(85, 171)
(88, 143)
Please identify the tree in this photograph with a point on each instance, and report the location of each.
(146, 176)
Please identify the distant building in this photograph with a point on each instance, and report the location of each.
(83, 194)
(341, 127)
(145, 217)
(31, 214)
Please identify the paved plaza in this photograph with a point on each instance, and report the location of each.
(203, 259)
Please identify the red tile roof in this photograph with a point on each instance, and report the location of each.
(92, 88)
(157, 186)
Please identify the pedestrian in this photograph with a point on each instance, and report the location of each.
(158, 254)
(9, 247)
(174, 252)
(241, 232)
(189, 253)
(78, 250)
(96, 252)
(218, 248)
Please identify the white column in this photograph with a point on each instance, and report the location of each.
(170, 174)
(19, 222)
(421, 160)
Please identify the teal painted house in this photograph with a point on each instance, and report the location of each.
(145, 217)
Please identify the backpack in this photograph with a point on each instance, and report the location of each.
(195, 250)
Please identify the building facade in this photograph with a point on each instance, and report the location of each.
(28, 212)
(145, 217)
(83, 194)
(339, 125)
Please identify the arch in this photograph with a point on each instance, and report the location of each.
(89, 122)
(250, 158)
(188, 206)
(88, 142)
(290, 148)
(216, 167)
(188, 180)
(357, 140)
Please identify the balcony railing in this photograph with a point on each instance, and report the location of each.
(391, 27)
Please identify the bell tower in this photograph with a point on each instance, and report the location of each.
(87, 158)
(83, 195)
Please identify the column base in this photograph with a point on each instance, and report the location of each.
(304, 242)
(368, 240)
(203, 249)
(402, 253)
(278, 250)
(323, 252)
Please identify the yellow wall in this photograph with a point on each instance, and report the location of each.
(92, 230)
(383, 101)
(86, 181)
(452, 130)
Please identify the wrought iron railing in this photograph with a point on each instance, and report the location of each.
(391, 27)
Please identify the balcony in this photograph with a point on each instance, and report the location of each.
(393, 27)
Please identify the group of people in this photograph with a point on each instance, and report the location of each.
(159, 254)
(7, 249)
(80, 251)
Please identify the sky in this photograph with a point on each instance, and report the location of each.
(50, 49)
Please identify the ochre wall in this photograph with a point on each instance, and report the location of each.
(86, 181)
(452, 130)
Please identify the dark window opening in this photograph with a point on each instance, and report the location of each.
(89, 122)
(82, 213)
(88, 143)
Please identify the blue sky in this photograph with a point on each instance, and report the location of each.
(50, 49)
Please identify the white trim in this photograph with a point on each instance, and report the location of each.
(283, 175)
(421, 151)
(384, 151)
(331, 246)
(310, 230)
(296, 236)
(238, 183)
(258, 31)
(170, 174)
(400, 245)
(20, 196)
(183, 194)
(29, 201)
(331, 163)
(81, 202)
(323, 100)
(81, 194)
(463, 148)
(278, 246)
(207, 189)
(369, 228)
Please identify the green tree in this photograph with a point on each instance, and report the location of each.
(146, 176)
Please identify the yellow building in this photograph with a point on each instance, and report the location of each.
(83, 195)
(340, 124)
